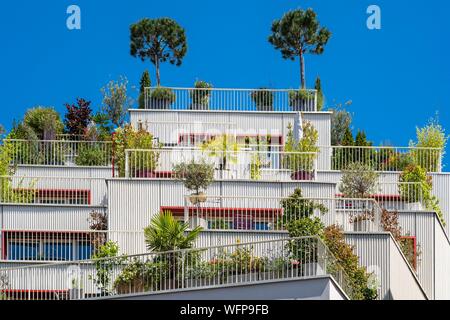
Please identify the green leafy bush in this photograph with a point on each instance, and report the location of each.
(295, 158)
(358, 181)
(91, 155)
(200, 96)
(196, 176)
(163, 94)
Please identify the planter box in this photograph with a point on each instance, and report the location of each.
(303, 175)
(145, 174)
(413, 206)
(363, 226)
(300, 105)
(158, 104)
(76, 294)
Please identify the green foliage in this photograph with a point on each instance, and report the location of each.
(255, 167)
(263, 99)
(295, 159)
(163, 94)
(103, 128)
(127, 138)
(158, 40)
(91, 155)
(165, 233)
(306, 226)
(341, 121)
(421, 185)
(223, 147)
(296, 207)
(196, 176)
(298, 32)
(219, 224)
(45, 123)
(358, 181)
(105, 260)
(299, 95)
(115, 101)
(431, 136)
(360, 280)
(144, 83)
(320, 97)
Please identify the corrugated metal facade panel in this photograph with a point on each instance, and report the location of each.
(441, 263)
(132, 203)
(63, 171)
(404, 285)
(373, 251)
(217, 238)
(441, 189)
(322, 123)
(421, 225)
(46, 217)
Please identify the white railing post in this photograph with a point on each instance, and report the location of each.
(127, 162)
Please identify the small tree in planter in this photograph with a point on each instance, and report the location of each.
(197, 177)
(263, 99)
(161, 98)
(303, 153)
(414, 185)
(200, 95)
(359, 181)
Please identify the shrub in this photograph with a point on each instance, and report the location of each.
(105, 260)
(127, 138)
(255, 167)
(358, 181)
(295, 159)
(360, 280)
(163, 94)
(195, 176)
(300, 95)
(45, 122)
(91, 155)
(296, 207)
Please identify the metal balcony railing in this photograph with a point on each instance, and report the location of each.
(247, 164)
(211, 267)
(275, 213)
(382, 158)
(60, 152)
(267, 100)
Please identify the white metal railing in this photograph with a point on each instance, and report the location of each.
(57, 245)
(294, 258)
(60, 152)
(275, 213)
(230, 99)
(52, 190)
(270, 165)
(383, 158)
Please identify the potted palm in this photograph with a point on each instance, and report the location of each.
(263, 99)
(200, 95)
(196, 177)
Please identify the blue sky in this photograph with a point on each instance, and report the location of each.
(397, 77)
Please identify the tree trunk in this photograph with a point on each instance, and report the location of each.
(158, 79)
(302, 71)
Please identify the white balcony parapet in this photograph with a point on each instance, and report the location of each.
(238, 264)
(381, 158)
(57, 191)
(273, 165)
(60, 152)
(274, 213)
(265, 100)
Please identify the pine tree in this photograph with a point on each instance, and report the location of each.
(144, 83)
(348, 138)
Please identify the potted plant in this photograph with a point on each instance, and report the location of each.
(196, 176)
(300, 100)
(300, 156)
(200, 95)
(161, 98)
(263, 99)
(414, 187)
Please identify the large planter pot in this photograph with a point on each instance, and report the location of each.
(300, 105)
(302, 175)
(198, 198)
(363, 225)
(413, 206)
(75, 294)
(145, 174)
(159, 104)
(134, 286)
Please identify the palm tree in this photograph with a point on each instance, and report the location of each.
(166, 234)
